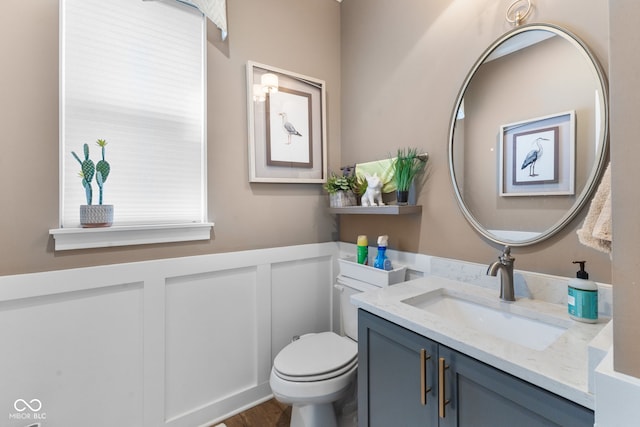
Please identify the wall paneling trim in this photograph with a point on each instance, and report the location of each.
(175, 342)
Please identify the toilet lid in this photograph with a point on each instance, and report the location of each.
(316, 357)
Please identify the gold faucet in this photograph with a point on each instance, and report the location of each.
(505, 265)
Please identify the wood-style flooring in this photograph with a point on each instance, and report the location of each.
(268, 414)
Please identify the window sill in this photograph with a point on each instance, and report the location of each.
(83, 238)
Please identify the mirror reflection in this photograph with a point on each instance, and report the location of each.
(528, 136)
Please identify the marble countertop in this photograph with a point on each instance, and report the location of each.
(562, 368)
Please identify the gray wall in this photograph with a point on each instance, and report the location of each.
(300, 36)
(402, 68)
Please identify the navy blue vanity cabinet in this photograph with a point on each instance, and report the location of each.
(405, 379)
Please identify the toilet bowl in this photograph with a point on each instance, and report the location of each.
(310, 384)
(316, 370)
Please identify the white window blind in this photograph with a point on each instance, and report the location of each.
(133, 73)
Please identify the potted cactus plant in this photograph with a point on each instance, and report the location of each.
(91, 215)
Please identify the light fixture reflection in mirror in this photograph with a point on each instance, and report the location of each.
(534, 71)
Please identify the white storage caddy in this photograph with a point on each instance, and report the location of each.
(375, 276)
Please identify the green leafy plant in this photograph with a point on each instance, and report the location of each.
(407, 165)
(337, 183)
(360, 186)
(88, 169)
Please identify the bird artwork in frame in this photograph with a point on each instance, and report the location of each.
(289, 127)
(538, 156)
(287, 130)
(535, 148)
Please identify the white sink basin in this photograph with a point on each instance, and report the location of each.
(499, 319)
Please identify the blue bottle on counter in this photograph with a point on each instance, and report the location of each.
(381, 261)
(582, 301)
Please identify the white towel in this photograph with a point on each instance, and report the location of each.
(596, 229)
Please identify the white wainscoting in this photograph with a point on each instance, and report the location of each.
(179, 343)
(182, 342)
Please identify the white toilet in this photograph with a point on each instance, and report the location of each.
(316, 370)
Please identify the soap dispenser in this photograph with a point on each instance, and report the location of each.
(582, 300)
(381, 261)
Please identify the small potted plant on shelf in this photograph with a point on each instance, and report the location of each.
(342, 189)
(407, 165)
(91, 215)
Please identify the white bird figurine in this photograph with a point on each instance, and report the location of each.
(289, 128)
(533, 156)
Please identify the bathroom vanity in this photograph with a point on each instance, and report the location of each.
(437, 352)
(411, 380)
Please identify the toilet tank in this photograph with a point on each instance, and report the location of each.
(349, 312)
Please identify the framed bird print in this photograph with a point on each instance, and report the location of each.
(286, 126)
(289, 127)
(533, 148)
(538, 156)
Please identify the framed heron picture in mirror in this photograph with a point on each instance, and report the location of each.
(538, 156)
(286, 126)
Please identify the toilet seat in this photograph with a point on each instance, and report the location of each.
(316, 357)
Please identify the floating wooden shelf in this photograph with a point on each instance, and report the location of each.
(378, 210)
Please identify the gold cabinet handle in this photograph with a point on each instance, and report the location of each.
(442, 402)
(424, 389)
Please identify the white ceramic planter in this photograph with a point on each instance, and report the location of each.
(342, 199)
(96, 215)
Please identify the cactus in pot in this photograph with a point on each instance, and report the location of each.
(94, 215)
(88, 169)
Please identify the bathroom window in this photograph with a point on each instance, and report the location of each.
(134, 74)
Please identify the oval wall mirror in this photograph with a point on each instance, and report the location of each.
(528, 136)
